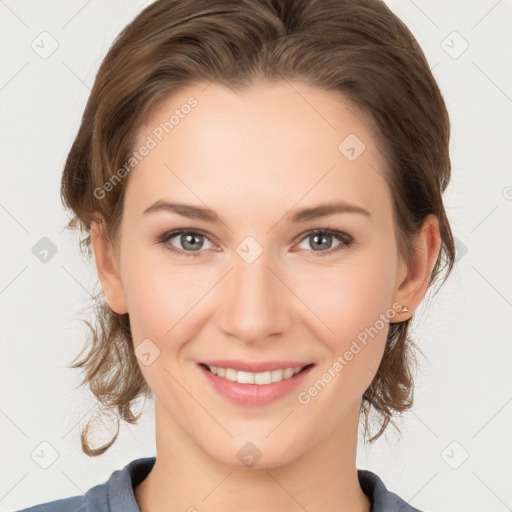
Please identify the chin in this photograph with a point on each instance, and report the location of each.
(246, 454)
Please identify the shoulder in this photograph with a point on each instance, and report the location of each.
(116, 494)
(95, 499)
(382, 499)
(74, 504)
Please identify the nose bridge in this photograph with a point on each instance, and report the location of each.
(252, 280)
(253, 305)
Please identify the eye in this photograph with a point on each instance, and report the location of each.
(191, 241)
(323, 238)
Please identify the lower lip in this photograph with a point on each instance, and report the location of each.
(254, 394)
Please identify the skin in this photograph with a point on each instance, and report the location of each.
(254, 158)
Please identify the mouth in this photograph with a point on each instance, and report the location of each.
(254, 389)
(262, 378)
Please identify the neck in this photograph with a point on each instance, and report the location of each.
(185, 477)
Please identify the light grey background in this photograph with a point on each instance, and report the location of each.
(463, 399)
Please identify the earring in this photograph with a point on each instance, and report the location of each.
(404, 309)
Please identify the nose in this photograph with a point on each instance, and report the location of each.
(255, 303)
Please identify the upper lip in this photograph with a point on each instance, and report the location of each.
(256, 367)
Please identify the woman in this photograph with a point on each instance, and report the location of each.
(261, 185)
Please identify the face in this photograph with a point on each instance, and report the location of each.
(253, 281)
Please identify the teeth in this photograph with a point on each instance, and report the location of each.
(255, 378)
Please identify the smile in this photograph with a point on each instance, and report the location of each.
(260, 378)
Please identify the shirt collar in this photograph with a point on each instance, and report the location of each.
(122, 482)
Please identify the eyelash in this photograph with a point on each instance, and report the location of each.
(345, 239)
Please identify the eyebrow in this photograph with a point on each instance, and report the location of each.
(303, 215)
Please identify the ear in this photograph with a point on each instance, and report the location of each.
(412, 289)
(107, 268)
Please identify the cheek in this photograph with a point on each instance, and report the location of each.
(351, 297)
(163, 305)
(352, 306)
(160, 297)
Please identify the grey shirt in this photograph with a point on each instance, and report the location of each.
(116, 494)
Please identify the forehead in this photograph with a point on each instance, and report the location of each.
(273, 143)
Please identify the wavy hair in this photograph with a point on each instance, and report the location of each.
(358, 48)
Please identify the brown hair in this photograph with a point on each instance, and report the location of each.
(358, 48)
